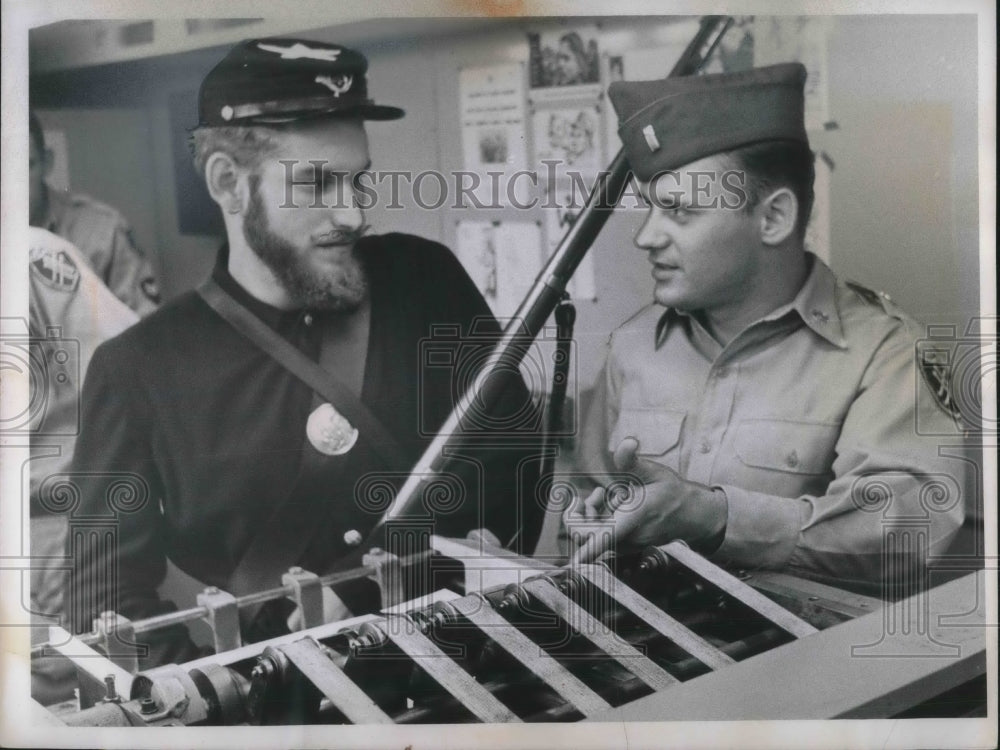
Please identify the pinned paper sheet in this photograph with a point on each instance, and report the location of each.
(561, 210)
(492, 111)
(568, 143)
(564, 63)
(503, 259)
(493, 126)
(817, 238)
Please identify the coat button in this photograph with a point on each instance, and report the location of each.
(706, 447)
(792, 460)
(307, 319)
(352, 538)
(819, 315)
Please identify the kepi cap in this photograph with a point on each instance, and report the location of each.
(277, 80)
(668, 123)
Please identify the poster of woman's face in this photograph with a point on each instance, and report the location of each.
(566, 58)
(571, 137)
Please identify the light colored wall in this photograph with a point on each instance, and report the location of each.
(905, 191)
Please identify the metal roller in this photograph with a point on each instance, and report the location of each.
(596, 642)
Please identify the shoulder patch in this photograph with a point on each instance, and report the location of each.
(934, 364)
(54, 268)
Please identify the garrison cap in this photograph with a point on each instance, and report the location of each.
(668, 123)
(265, 81)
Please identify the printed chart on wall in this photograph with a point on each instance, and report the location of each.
(503, 258)
(493, 128)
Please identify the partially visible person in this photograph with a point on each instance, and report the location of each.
(99, 232)
(71, 312)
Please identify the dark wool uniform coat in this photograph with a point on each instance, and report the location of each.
(191, 435)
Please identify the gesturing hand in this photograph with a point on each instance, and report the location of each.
(658, 506)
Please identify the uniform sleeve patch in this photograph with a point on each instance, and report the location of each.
(54, 268)
(934, 366)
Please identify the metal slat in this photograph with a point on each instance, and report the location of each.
(349, 699)
(600, 635)
(89, 661)
(663, 623)
(818, 595)
(460, 684)
(739, 590)
(526, 651)
(848, 688)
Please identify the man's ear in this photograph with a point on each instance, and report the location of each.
(778, 215)
(225, 184)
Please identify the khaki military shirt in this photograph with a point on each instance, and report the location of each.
(816, 422)
(105, 240)
(71, 312)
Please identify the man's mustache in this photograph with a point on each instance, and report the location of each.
(342, 236)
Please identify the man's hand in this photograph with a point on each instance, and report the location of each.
(334, 609)
(660, 508)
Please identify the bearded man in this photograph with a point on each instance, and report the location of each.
(207, 439)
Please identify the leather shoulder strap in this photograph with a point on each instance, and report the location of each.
(286, 535)
(321, 381)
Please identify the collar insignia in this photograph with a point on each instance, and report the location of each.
(651, 140)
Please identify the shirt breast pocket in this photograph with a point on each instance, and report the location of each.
(658, 433)
(779, 445)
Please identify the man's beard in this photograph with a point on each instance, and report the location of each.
(341, 289)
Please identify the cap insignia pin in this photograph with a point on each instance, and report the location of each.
(227, 112)
(651, 140)
(338, 85)
(299, 50)
(329, 432)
